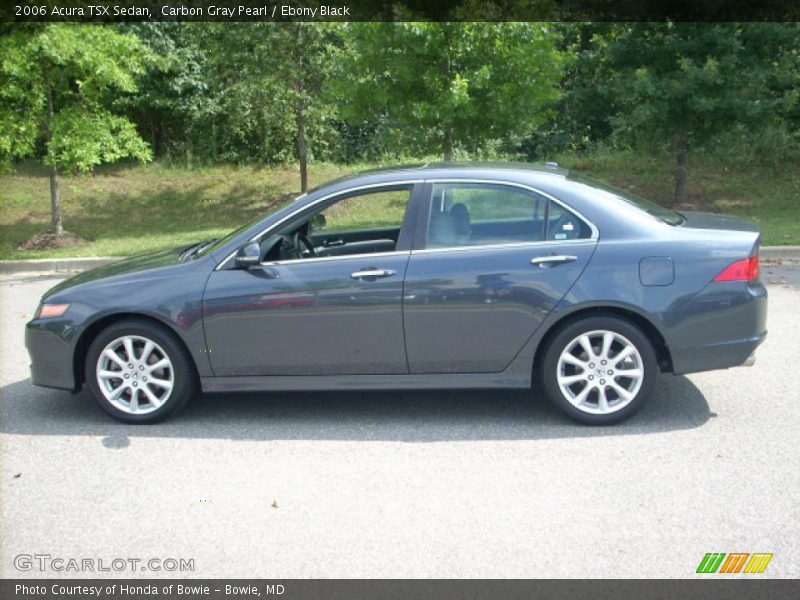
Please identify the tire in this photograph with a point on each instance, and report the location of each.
(148, 388)
(586, 388)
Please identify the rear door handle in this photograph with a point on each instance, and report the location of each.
(375, 273)
(552, 260)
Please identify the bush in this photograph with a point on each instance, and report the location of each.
(770, 147)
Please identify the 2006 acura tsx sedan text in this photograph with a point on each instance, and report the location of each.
(434, 276)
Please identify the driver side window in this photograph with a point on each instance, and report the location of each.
(364, 222)
(376, 210)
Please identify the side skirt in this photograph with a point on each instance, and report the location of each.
(364, 382)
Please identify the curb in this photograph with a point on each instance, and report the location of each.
(55, 265)
(71, 265)
(780, 252)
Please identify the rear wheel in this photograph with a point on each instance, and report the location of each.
(599, 370)
(139, 372)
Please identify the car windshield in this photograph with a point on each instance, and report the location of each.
(659, 212)
(226, 238)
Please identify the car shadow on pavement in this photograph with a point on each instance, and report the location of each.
(410, 416)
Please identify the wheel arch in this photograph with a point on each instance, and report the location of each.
(636, 318)
(92, 330)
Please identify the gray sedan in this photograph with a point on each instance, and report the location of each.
(433, 276)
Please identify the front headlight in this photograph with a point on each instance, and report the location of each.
(48, 311)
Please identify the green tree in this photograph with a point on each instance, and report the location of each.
(56, 83)
(684, 82)
(586, 100)
(302, 68)
(266, 85)
(173, 97)
(448, 86)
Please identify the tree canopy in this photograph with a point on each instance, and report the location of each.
(58, 82)
(78, 95)
(445, 86)
(685, 82)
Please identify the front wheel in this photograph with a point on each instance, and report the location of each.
(599, 370)
(139, 372)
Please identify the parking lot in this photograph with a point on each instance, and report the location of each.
(416, 484)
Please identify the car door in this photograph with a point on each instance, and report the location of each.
(322, 315)
(490, 262)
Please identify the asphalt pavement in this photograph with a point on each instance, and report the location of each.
(408, 484)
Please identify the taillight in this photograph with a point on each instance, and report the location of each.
(745, 269)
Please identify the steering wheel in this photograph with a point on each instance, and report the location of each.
(299, 241)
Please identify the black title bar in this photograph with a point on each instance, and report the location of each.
(703, 587)
(32, 11)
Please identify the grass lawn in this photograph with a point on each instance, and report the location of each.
(124, 210)
(129, 210)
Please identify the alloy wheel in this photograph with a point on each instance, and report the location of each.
(600, 372)
(135, 374)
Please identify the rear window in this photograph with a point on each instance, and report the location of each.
(659, 212)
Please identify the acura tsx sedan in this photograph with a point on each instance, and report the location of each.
(432, 276)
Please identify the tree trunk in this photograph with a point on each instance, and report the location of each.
(55, 195)
(55, 201)
(681, 147)
(299, 108)
(447, 143)
(155, 137)
(302, 150)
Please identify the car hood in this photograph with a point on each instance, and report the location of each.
(705, 220)
(127, 266)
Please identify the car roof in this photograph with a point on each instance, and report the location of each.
(449, 169)
(581, 194)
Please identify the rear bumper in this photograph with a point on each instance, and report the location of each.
(728, 322)
(718, 356)
(51, 356)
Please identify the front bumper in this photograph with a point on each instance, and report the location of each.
(51, 355)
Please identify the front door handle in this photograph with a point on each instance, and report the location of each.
(373, 273)
(552, 260)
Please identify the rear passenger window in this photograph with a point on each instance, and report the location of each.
(465, 214)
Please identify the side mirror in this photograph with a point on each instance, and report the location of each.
(248, 255)
(317, 222)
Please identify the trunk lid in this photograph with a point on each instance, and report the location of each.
(706, 220)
